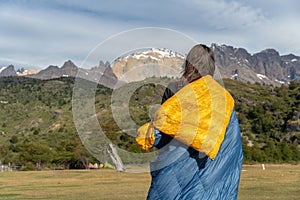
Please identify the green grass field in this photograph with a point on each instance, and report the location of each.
(276, 182)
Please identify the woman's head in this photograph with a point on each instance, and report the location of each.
(199, 62)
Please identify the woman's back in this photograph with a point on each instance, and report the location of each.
(180, 172)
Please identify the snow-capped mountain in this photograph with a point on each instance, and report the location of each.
(151, 62)
(265, 67)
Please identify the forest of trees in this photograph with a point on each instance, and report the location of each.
(37, 129)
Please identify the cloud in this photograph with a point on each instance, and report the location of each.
(281, 34)
(50, 36)
(252, 25)
(50, 32)
(223, 15)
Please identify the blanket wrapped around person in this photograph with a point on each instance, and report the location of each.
(198, 139)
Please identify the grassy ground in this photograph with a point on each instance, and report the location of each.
(276, 182)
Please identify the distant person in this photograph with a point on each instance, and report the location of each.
(197, 136)
(96, 166)
(90, 166)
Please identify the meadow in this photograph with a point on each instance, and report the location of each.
(275, 182)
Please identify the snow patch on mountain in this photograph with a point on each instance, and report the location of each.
(234, 76)
(2, 68)
(166, 53)
(154, 54)
(261, 76)
(281, 82)
(143, 56)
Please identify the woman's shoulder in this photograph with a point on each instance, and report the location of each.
(173, 86)
(171, 89)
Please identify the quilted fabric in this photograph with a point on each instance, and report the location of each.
(181, 172)
(197, 115)
(199, 146)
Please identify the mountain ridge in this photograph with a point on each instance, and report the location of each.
(264, 67)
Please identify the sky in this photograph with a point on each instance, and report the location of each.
(39, 33)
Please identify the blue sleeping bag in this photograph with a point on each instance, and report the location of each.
(180, 172)
(197, 135)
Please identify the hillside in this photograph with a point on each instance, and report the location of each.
(269, 120)
(37, 128)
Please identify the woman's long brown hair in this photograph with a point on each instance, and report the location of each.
(199, 62)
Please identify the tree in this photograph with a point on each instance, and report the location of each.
(82, 155)
(4, 153)
(36, 153)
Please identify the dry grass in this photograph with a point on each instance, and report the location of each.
(84, 184)
(276, 182)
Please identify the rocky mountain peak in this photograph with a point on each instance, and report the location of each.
(290, 58)
(52, 67)
(8, 71)
(265, 67)
(272, 52)
(101, 66)
(69, 69)
(242, 53)
(69, 65)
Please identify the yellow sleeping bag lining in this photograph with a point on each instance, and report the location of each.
(197, 115)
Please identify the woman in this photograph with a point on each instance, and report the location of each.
(197, 136)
